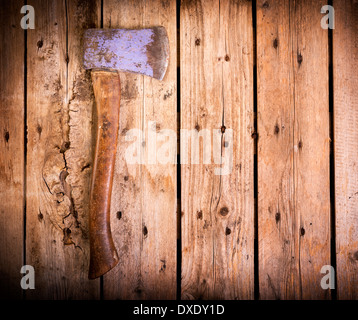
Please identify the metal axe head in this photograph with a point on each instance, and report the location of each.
(143, 51)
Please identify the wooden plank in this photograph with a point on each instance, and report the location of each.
(59, 151)
(345, 80)
(12, 149)
(293, 149)
(217, 96)
(144, 192)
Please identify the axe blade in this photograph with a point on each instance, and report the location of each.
(142, 51)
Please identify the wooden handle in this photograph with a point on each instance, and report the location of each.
(103, 254)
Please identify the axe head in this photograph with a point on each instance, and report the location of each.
(142, 51)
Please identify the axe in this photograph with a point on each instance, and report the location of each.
(106, 52)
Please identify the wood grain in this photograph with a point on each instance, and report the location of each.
(59, 157)
(12, 149)
(217, 204)
(293, 149)
(144, 190)
(345, 80)
(217, 211)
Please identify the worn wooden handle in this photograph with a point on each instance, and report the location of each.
(103, 254)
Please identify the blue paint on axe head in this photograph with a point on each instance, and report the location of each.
(142, 51)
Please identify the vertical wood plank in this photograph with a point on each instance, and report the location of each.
(293, 149)
(217, 192)
(12, 149)
(345, 81)
(143, 207)
(59, 150)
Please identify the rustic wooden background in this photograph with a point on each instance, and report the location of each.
(265, 69)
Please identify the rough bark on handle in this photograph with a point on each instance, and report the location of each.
(103, 254)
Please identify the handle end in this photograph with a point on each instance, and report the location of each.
(102, 263)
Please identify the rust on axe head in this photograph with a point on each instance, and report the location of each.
(142, 51)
